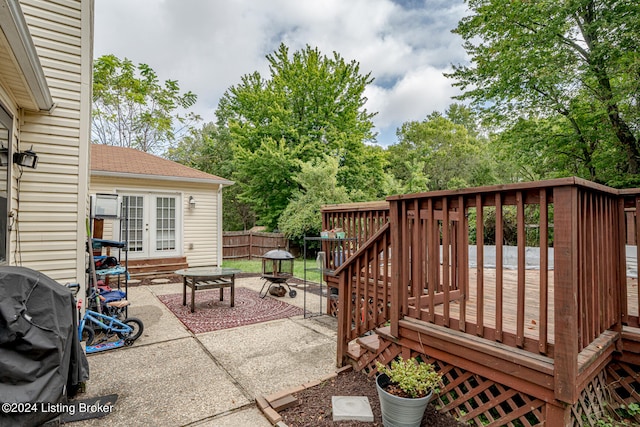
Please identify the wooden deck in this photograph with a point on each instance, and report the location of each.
(541, 340)
(510, 298)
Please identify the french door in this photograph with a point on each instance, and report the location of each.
(152, 225)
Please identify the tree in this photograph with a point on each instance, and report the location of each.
(267, 176)
(131, 108)
(318, 183)
(437, 154)
(311, 105)
(209, 149)
(573, 61)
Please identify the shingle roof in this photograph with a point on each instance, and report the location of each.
(108, 160)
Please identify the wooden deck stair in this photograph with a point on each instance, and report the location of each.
(366, 350)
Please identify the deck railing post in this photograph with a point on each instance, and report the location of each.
(397, 264)
(566, 316)
(343, 318)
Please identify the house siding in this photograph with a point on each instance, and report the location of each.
(200, 232)
(49, 233)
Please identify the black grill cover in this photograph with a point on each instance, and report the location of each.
(41, 360)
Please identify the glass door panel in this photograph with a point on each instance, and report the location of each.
(165, 224)
(133, 230)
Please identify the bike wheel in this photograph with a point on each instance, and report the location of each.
(88, 335)
(136, 326)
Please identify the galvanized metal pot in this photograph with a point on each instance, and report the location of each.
(400, 411)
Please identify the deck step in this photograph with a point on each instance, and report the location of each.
(370, 342)
(354, 350)
(156, 268)
(385, 332)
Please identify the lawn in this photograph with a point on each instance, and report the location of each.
(255, 266)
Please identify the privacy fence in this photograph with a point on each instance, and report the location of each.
(251, 244)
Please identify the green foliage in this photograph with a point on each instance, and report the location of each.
(209, 149)
(414, 378)
(438, 154)
(131, 108)
(313, 106)
(268, 178)
(562, 78)
(318, 186)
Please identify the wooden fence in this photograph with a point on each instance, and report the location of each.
(251, 244)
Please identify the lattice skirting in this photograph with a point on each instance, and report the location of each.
(592, 405)
(623, 386)
(478, 401)
(468, 397)
(606, 398)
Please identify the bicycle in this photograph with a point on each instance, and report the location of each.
(97, 329)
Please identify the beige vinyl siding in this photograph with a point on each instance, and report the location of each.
(200, 225)
(50, 233)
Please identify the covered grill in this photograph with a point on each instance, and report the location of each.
(277, 269)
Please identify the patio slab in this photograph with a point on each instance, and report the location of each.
(245, 417)
(156, 387)
(169, 384)
(159, 323)
(268, 357)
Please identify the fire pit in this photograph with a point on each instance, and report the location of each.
(277, 269)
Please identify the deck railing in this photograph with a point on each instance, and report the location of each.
(357, 220)
(577, 291)
(631, 305)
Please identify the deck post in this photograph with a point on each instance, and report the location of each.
(557, 415)
(343, 318)
(622, 290)
(566, 316)
(397, 264)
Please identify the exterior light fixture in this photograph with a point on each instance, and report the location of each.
(27, 158)
(192, 202)
(4, 156)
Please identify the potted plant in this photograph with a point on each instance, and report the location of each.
(405, 389)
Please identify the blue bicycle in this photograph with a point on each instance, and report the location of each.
(98, 330)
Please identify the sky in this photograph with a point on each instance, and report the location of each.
(208, 45)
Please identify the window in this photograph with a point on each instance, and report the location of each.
(5, 145)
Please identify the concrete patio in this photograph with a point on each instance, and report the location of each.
(172, 377)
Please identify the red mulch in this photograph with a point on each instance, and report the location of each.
(314, 408)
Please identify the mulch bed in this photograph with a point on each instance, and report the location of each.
(314, 408)
(211, 314)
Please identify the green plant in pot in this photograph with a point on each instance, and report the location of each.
(405, 389)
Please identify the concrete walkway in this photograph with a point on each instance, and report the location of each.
(171, 377)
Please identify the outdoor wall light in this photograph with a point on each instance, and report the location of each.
(26, 158)
(4, 156)
(192, 202)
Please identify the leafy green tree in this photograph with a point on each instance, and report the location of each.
(267, 176)
(573, 64)
(209, 149)
(318, 186)
(311, 105)
(437, 154)
(131, 108)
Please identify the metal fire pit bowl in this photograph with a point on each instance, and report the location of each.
(277, 269)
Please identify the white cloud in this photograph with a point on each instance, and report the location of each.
(208, 45)
(418, 93)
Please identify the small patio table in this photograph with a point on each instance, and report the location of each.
(200, 278)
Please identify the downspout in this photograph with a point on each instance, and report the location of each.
(219, 223)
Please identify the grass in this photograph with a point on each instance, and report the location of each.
(255, 266)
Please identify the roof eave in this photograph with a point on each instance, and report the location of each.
(222, 182)
(17, 33)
